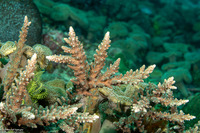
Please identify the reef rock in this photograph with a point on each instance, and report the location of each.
(12, 14)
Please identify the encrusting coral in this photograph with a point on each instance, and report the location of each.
(138, 102)
(7, 48)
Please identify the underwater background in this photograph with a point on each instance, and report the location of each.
(142, 32)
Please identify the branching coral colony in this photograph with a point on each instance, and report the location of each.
(17, 110)
(132, 104)
(143, 107)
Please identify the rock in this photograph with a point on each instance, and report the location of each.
(12, 13)
(108, 127)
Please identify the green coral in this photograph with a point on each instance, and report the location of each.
(36, 89)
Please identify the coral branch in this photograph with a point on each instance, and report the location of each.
(99, 58)
(77, 60)
(15, 59)
(134, 77)
(175, 117)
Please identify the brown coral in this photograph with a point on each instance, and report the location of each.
(90, 76)
(141, 96)
(16, 58)
(18, 110)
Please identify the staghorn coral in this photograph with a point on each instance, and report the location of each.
(89, 76)
(152, 108)
(139, 100)
(17, 109)
(16, 57)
